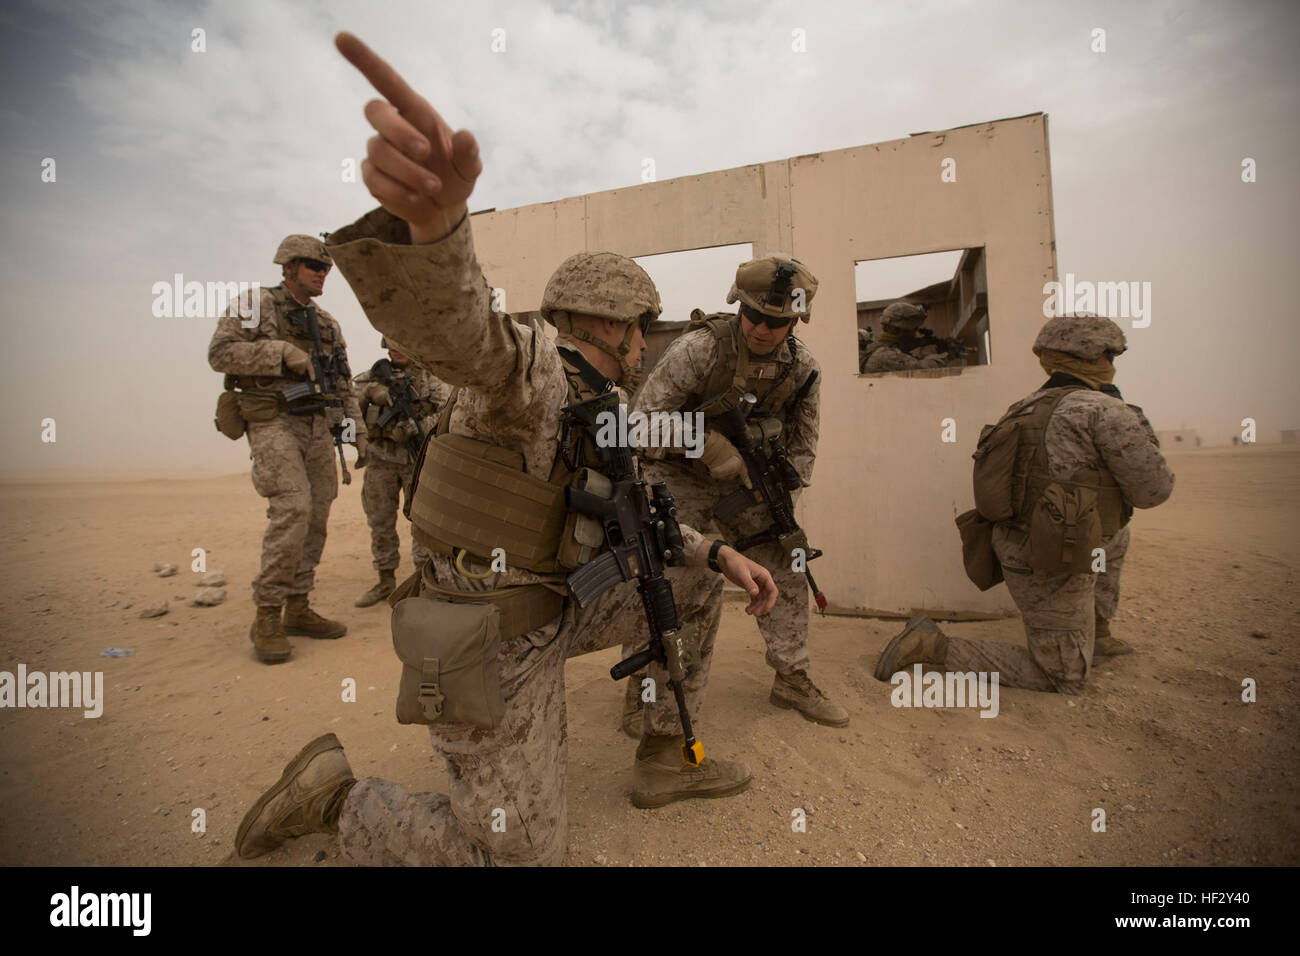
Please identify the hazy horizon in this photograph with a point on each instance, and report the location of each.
(174, 161)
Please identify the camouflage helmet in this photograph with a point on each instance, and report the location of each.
(608, 286)
(602, 284)
(299, 246)
(902, 314)
(771, 285)
(1082, 335)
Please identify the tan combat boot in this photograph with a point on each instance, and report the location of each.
(307, 798)
(300, 619)
(795, 691)
(269, 642)
(386, 586)
(633, 708)
(661, 776)
(921, 642)
(1107, 645)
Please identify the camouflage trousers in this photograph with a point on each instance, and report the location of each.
(698, 594)
(1058, 612)
(293, 469)
(507, 803)
(381, 491)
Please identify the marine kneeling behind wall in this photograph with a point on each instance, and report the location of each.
(1057, 478)
(413, 268)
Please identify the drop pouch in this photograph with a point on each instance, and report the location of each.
(228, 419)
(982, 564)
(450, 671)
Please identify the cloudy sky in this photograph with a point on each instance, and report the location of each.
(168, 160)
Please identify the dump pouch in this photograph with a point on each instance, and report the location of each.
(1064, 528)
(982, 565)
(228, 419)
(450, 671)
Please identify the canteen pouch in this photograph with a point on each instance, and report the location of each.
(982, 564)
(228, 419)
(1064, 528)
(258, 406)
(450, 671)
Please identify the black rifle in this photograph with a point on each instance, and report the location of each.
(949, 346)
(773, 477)
(643, 538)
(404, 397)
(329, 368)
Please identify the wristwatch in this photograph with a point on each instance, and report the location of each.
(718, 545)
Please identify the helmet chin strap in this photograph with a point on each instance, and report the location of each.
(628, 377)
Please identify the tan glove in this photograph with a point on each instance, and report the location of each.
(377, 394)
(722, 459)
(298, 361)
(361, 446)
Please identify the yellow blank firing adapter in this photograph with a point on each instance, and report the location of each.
(693, 754)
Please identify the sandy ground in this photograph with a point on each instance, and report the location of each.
(1186, 772)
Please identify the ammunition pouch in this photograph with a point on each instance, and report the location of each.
(583, 536)
(982, 564)
(259, 406)
(448, 642)
(228, 419)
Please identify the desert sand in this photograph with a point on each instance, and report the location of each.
(1186, 772)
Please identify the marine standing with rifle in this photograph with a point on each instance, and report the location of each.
(399, 402)
(497, 476)
(294, 393)
(757, 383)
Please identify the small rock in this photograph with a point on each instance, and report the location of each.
(209, 597)
(266, 718)
(1105, 786)
(154, 610)
(990, 862)
(213, 579)
(1130, 808)
(166, 570)
(861, 858)
(126, 607)
(1262, 635)
(600, 860)
(320, 855)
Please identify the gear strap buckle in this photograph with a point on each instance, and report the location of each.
(431, 696)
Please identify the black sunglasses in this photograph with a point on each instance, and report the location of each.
(315, 265)
(775, 323)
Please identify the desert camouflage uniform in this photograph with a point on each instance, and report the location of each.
(1087, 430)
(882, 356)
(293, 455)
(389, 462)
(432, 303)
(684, 370)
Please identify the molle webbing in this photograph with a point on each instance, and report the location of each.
(1031, 476)
(474, 496)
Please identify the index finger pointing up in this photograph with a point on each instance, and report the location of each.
(390, 84)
